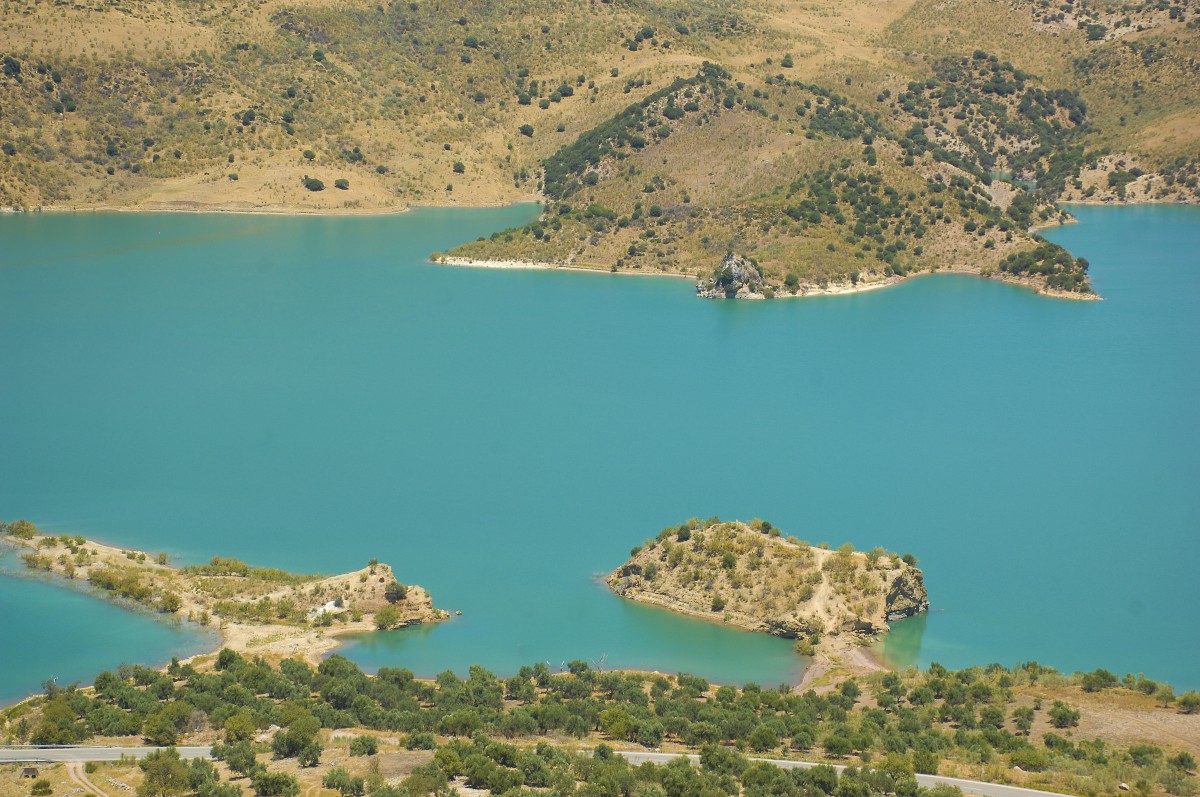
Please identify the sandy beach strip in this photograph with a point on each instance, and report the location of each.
(527, 265)
(535, 265)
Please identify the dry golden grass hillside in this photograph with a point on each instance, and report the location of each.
(349, 106)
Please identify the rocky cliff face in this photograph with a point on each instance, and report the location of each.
(735, 278)
(751, 577)
(907, 595)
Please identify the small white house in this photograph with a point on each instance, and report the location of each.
(330, 607)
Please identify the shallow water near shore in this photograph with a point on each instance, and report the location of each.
(310, 392)
(52, 632)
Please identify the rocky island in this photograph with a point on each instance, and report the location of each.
(263, 609)
(750, 576)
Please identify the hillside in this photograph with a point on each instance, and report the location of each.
(750, 576)
(832, 146)
(809, 188)
(264, 609)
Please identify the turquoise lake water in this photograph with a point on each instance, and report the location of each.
(309, 393)
(96, 634)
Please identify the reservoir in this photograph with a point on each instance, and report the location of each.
(311, 392)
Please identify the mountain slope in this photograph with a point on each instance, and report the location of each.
(827, 144)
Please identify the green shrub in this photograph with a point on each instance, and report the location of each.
(1145, 754)
(1029, 759)
(1096, 680)
(21, 529)
(274, 784)
(420, 741)
(343, 783)
(925, 762)
(387, 617)
(1062, 715)
(364, 745)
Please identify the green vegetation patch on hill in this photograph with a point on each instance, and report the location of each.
(987, 113)
(1134, 64)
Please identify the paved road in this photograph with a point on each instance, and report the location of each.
(968, 786)
(69, 754)
(33, 755)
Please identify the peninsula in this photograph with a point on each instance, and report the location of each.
(750, 576)
(258, 609)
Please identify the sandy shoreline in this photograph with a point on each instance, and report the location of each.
(523, 265)
(804, 292)
(848, 289)
(841, 288)
(536, 265)
(253, 210)
(1018, 282)
(186, 206)
(1050, 225)
(267, 210)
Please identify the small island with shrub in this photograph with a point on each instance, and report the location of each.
(750, 576)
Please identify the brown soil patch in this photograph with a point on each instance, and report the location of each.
(1119, 717)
